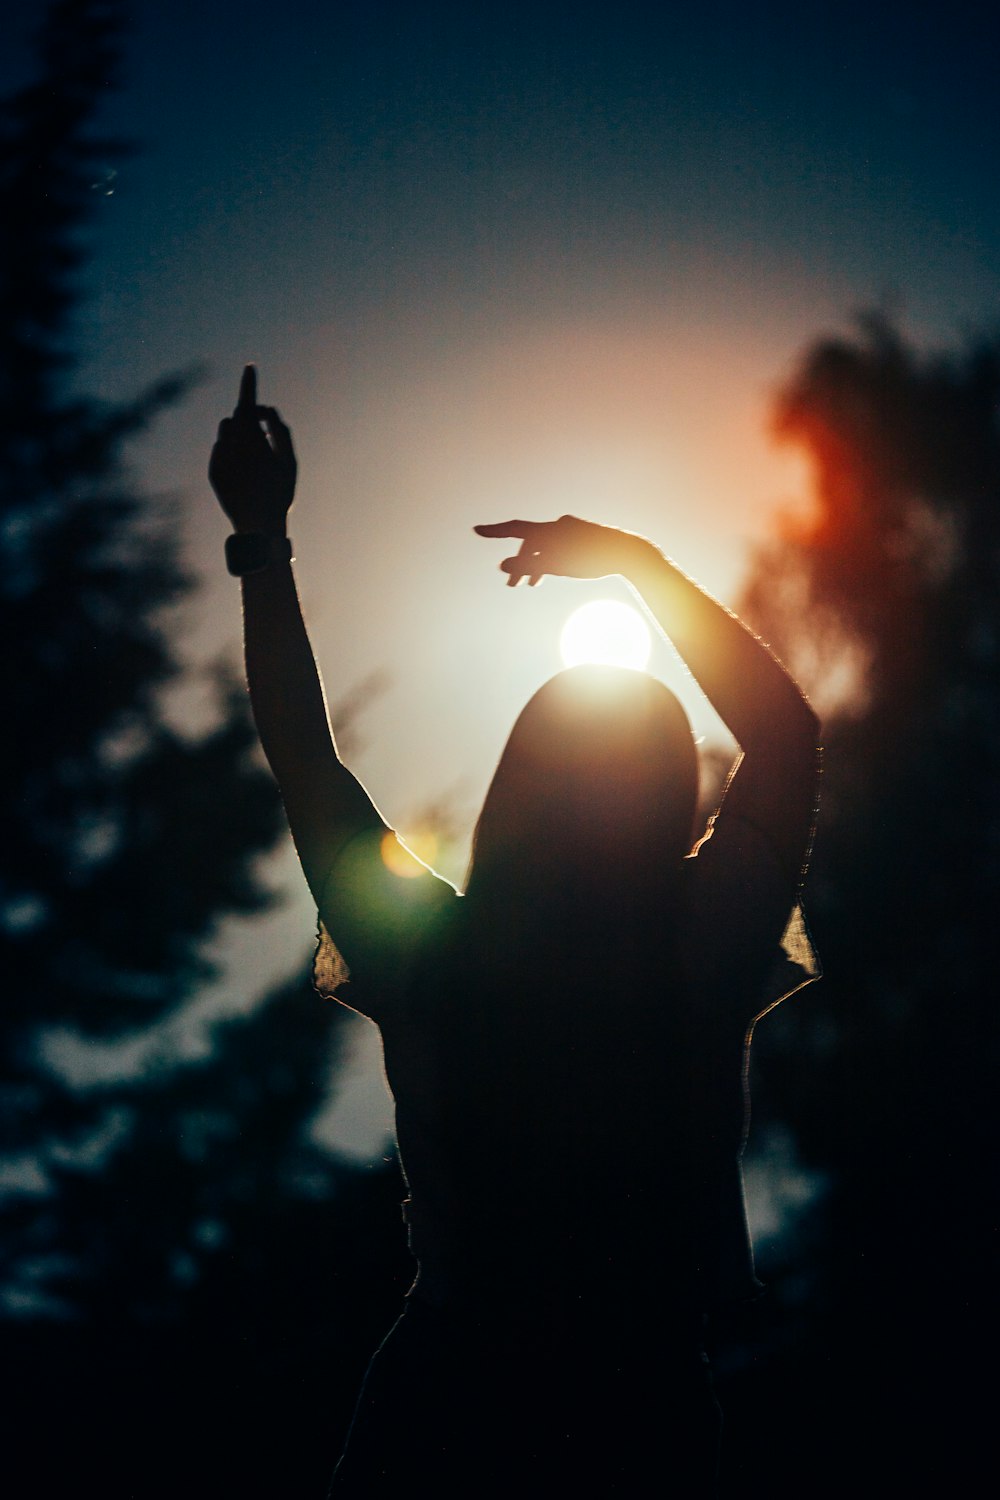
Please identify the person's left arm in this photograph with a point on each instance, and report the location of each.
(773, 784)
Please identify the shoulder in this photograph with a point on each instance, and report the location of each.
(380, 910)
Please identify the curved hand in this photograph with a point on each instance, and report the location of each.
(567, 548)
(252, 469)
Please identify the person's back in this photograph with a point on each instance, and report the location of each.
(588, 1111)
(554, 1204)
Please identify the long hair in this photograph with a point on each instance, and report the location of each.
(595, 792)
(562, 1014)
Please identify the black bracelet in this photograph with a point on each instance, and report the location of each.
(253, 551)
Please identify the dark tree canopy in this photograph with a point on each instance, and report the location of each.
(127, 840)
(887, 1074)
(185, 1273)
(108, 810)
(895, 556)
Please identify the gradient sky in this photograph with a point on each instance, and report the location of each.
(516, 259)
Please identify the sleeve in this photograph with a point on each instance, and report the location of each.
(378, 907)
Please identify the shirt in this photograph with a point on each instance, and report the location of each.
(571, 1115)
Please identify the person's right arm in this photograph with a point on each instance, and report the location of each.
(253, 473)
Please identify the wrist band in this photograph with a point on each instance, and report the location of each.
(252, 552)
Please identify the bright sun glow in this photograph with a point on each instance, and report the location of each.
(607, 632)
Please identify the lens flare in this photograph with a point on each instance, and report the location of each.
(608, 633)
(411, 859)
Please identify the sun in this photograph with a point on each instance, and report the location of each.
(607, 632)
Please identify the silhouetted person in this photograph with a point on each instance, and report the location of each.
(565, 1044)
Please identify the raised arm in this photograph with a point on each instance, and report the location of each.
(770, 720)
(253, 472)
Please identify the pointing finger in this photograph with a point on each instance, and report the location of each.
(246, 405)
(520, 529)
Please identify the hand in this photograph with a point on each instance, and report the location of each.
(567, 548)
(252, 469)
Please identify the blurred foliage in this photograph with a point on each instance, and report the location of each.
(182, 1269)
(885, 601)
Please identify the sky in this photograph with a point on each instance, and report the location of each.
(513, 260)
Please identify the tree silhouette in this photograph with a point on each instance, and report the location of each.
(110, 811)
(184, 1272)
(884, 602)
